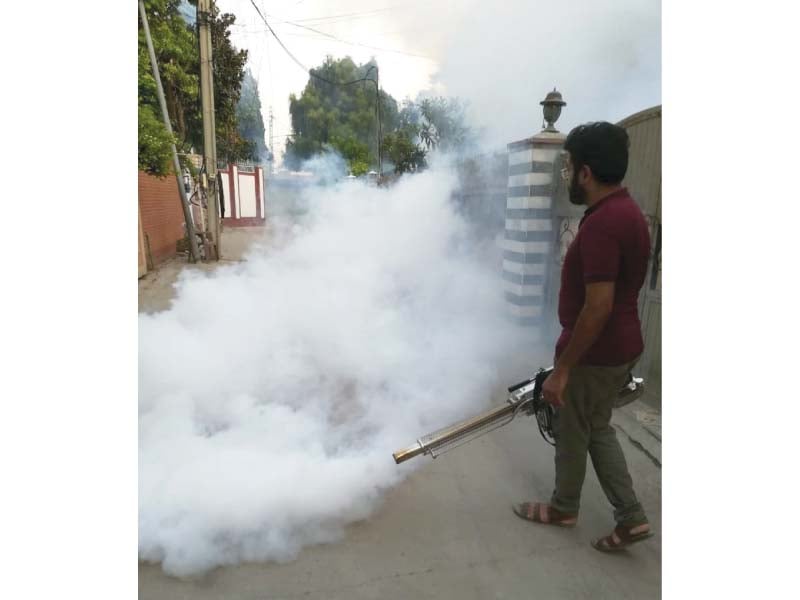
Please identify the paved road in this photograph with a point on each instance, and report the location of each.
(448, 532)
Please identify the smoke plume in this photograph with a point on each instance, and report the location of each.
(273, 392)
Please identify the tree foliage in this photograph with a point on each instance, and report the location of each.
(229, 70)
(406, 156)
(444, 123)
(343, 117)
(155, 144)
(176, 47)
(249, 117)
(355, 152)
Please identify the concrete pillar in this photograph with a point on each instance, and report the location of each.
(529, 238)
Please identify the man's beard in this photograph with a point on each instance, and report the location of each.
(577, 195)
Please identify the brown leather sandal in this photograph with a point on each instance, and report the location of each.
(624, 536)
(539, 512)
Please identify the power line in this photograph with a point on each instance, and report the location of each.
(342, 84)
(275, 35)
(320, 34)
(306, 69)
(329, 19)
(354, 14)
(344, 16)
(333, 37)
(329, 35)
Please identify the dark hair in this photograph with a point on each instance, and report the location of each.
(601, 146)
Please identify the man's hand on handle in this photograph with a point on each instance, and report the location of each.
(554, 386)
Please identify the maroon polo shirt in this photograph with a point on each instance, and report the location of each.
(612, 244)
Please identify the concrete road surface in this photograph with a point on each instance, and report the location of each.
(448, 532)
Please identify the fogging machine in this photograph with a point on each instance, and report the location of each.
(525, 398)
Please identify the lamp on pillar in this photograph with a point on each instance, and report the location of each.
(552, 109)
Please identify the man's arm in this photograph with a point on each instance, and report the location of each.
(591, 321)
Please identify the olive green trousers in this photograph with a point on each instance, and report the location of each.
(583, 426)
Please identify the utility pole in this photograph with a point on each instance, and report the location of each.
(378, 114)
(271, 151)
(176, 165)
(214, 249)
(378, 128)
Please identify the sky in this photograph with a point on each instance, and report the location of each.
(501, 57)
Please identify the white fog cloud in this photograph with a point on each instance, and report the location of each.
(273, 392)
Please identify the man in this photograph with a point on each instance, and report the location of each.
(601, 340)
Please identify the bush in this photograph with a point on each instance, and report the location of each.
(155, 144)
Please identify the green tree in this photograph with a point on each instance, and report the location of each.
(328, 114)
(356, 154)
(409, 117)
(155, 144)
(176, 47)
(249, 117)
(229, 70)
(428, 135)
(444, 124)
(406, 156)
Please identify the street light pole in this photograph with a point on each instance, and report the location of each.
(378, 131)
(378, 112)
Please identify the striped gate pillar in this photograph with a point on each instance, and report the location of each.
(528, 243)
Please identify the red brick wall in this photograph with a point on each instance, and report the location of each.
(161, 213)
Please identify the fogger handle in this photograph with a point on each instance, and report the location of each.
(521, 384)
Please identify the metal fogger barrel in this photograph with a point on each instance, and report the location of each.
(459, 433)
(524, 397)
